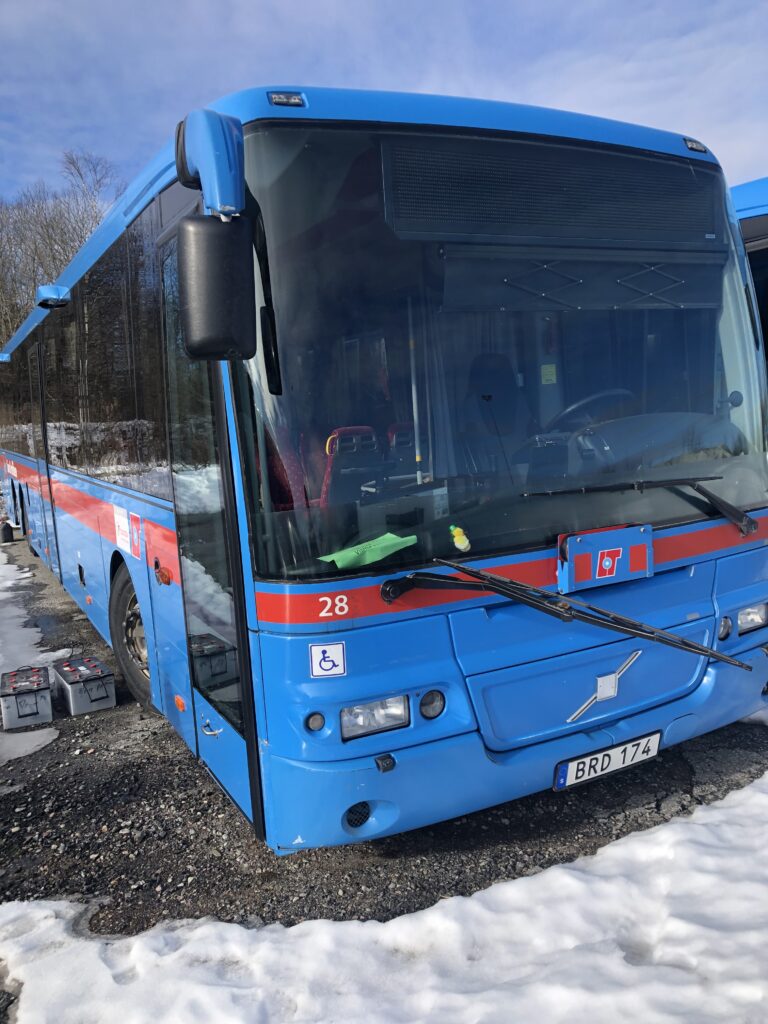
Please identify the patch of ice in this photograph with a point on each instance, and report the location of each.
(19, 744)
(19, 642)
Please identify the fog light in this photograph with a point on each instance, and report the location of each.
(315, 722)
(753, 617)
(432, 704)
(725, 627)
(378, 716)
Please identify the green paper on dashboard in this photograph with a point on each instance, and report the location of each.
(369, 551)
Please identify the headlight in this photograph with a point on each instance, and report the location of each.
(378, 716)
(753, 617)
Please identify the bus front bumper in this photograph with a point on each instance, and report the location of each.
(309, 802)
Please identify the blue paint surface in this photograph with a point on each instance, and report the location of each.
(751, 198)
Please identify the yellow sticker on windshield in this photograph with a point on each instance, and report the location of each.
(549, 373)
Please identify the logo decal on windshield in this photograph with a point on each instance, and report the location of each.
(607, 562)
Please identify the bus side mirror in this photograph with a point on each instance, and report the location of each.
(217, 299)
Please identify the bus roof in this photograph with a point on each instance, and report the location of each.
(751, 198)
(362, 106)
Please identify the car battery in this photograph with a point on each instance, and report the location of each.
(25, 697)
(84, 684)
(214, 662)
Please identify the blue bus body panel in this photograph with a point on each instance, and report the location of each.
(751, 198)
(224, 751)
(407, 657)
(450, 777)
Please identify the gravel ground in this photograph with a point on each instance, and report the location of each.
(117, 813)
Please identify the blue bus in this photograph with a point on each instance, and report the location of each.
(751, 202)
(409, 451)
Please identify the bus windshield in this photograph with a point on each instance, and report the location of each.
(454, 327)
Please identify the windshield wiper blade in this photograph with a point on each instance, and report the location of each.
(745, 522)
(568, 609)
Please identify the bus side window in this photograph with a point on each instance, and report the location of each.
(146, 329)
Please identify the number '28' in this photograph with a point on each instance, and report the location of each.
(330, 606)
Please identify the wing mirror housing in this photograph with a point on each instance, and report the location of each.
(52, 296)
(217, 299)
(215, 252)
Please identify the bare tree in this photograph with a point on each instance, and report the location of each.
(42, 229)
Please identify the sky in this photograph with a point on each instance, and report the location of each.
(115, 78)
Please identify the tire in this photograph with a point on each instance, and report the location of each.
(126, 629)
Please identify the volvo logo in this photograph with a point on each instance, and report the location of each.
(607, 686)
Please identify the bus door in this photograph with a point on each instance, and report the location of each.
(44, 529)
(210, 631)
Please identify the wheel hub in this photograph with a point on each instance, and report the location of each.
(135, 637)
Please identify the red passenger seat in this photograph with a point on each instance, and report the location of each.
(353, 457)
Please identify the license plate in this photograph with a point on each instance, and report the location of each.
(603, 762)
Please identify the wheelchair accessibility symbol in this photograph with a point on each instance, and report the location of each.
(327, 660)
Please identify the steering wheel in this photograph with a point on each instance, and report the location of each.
(578, 412)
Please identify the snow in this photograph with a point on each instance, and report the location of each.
(667, 924)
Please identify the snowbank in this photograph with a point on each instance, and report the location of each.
(666, 924)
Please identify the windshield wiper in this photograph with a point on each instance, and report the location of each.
(745, 522)
(568, 609)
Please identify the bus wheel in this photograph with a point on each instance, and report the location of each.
(129, 640)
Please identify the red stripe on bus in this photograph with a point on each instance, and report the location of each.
(23, 474)
(301, 607)
(92, 512)
(638, 558)
(160, 543)
(583, 567)
(293, 606)
(99, 515)
(705, 542)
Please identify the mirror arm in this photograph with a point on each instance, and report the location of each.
(209, 157)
